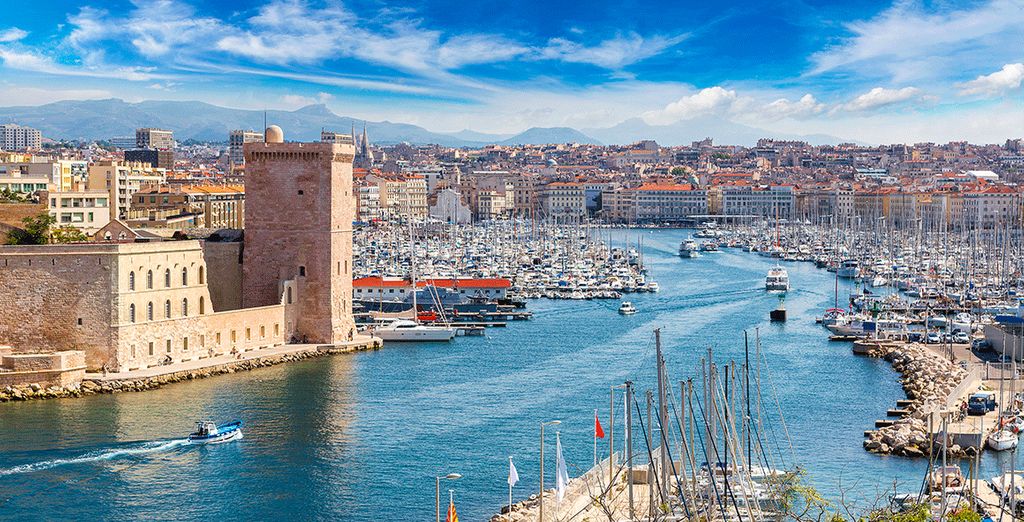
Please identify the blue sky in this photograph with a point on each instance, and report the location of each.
(870, 70)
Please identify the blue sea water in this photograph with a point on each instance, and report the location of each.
(361, 437)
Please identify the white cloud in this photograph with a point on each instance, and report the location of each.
(909, 42)
(713, 100)
(12, 34)
(881, 97)
(297, 101)
(805, 107)
(26, 61)
(998, 83)
(613, 54)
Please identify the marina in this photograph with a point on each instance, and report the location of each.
(476, 403)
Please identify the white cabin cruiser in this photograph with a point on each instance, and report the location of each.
(777, 280)
(404, 330)
(627, 308)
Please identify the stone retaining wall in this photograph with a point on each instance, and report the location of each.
(91, 387)
(57, 369)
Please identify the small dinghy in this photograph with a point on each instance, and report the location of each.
(210, 433)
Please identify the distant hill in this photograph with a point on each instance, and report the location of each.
(684, 132)
(543, 135)
(103, 119)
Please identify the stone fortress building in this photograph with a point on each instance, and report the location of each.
(132, 305)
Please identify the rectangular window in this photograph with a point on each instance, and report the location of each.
(263, 331)
(248, 334)
(168, 346)
(277, 329)
(218, 338)
(151, 348)
(184, 344)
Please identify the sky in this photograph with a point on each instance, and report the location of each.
(874, 71)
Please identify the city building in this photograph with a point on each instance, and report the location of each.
(86, 210)
(669, 202)
(122, 180)
(149, 138)
(17, 138)
(237, 140)
(562, 201)
(159, 158)
(187, 206)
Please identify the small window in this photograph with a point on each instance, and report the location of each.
(302, 271)
(184, 307)
(167, 278)
(202, 305)
(168, 346)
(149, 311)
(184, 344)
(248, 334)
(202, 275)
(263, 332)
(131, 313)
(79, 321)
(301, 193)
(151, 348)
(218, 338)
(234, 337)
(149, 280)
(167, 309)
(184, 277)
(131, 280)
(277, 329)
(289, 292)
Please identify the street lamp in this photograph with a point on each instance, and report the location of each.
(437, 492)
(548, 423)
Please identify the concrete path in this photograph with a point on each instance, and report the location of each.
(359, 343)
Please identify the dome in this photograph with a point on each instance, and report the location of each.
(273, 134)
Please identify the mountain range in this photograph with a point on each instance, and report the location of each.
(104, 119)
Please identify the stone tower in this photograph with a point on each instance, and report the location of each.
(298, 234)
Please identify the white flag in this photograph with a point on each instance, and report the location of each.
(561, 473)
(513, 475)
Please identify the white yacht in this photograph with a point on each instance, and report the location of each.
(404, 330)
(1002, 440)
(777, 280)
(627, 308)
(653, 286)
(849, 269)
(688, 249)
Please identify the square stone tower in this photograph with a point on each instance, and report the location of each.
(298, 228)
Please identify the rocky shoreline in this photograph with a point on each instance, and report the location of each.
(927, 379)
(92, 387)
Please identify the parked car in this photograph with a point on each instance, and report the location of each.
(933, 338)
(981, 345)
(981, 403)
(961, 338)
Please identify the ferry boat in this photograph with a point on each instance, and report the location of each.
(627, 308)
(688, 249)
(777, 280)
(849, 269)
(210, 433)
(404, 330)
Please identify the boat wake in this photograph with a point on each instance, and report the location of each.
(96, 456)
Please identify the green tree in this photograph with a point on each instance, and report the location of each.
(67, 234)
(40, 230)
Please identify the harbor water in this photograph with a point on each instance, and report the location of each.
(361, 437)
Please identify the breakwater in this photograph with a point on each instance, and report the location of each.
(928, 379)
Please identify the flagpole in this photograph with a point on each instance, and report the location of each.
(595, 437)
(510, 486)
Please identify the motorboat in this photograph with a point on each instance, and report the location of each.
(404, 330)
(777, 280)
(1002, 440)
(627, 308)
(688, 249)
(653, 286)
(849, 269)
(209, 433)
(709, 246)
(945, 478)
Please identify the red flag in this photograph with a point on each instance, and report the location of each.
(598, 432)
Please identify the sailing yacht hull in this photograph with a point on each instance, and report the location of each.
(419, 334)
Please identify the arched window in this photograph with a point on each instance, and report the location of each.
(184, 277)
(202, 275)
(149, 280)
(167, 309)
(184, 307)
(167, 278)
(131, 313)
(202, 305)
(131, 280)
(149, 311)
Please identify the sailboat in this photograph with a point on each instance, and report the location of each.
(410, 330)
